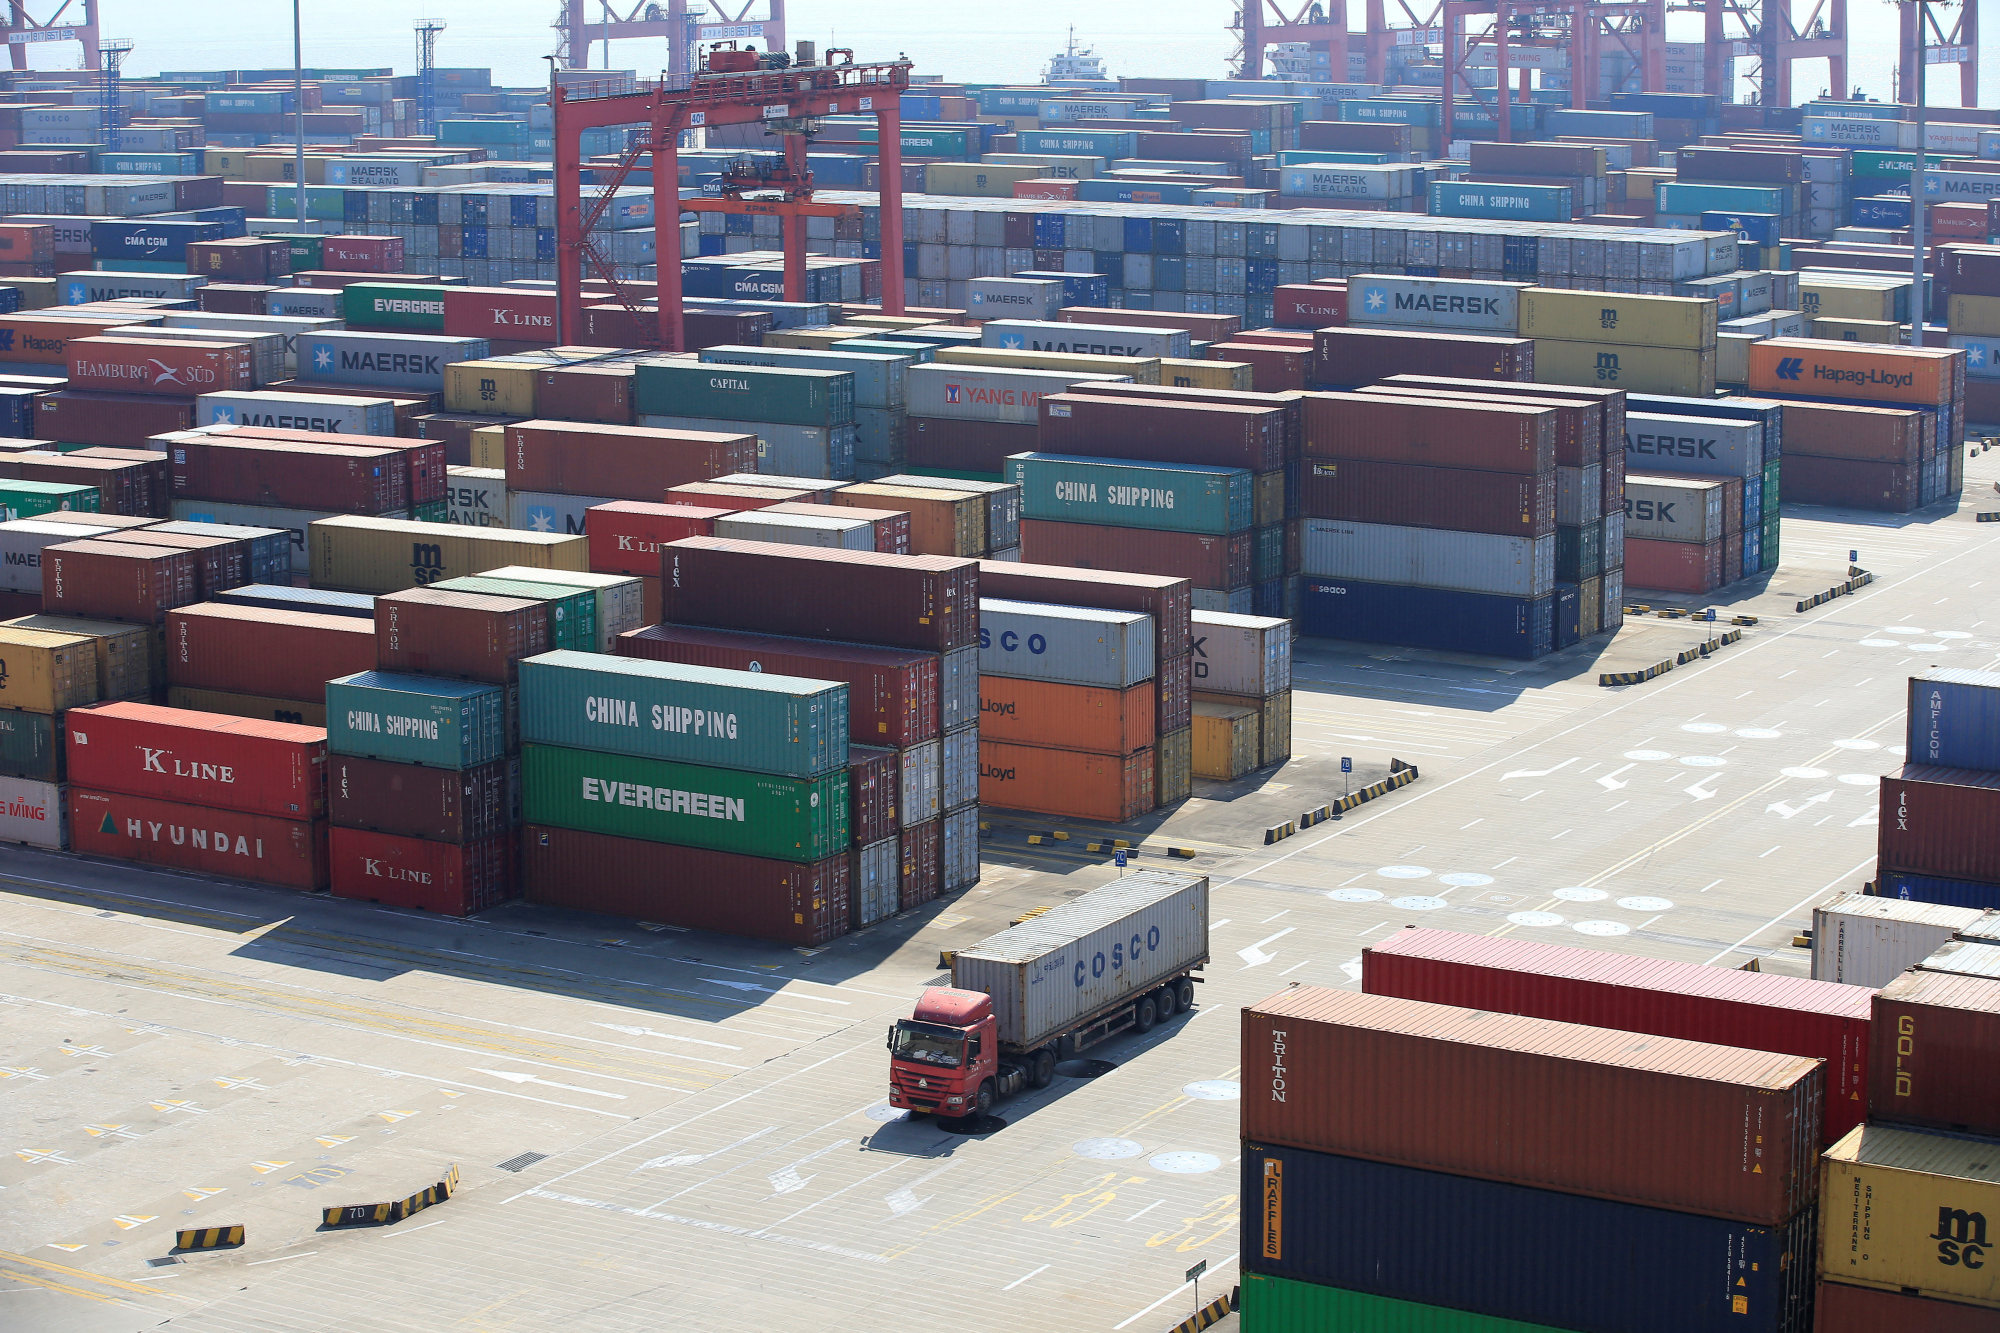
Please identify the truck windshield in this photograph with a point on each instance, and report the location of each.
(929, 1045)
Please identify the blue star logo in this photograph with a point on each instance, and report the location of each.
(541, 518)
(1975, 354)
(75, 294)
(1011, 342)
(222, 416)
(1375, 299)
(322, 357)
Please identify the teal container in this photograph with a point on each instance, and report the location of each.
(150, 164)
(1116, 493)
(1494, 202)
(788, 395)
(749, 720)
(920, 353)
(1391, 111)
(407, 307)
(688, 805)
(1267, 553)
(1688, 197)
(929, 141)
(31, 745)
(1893, 164)
(572, 615)
(416, 719)
(327, 203)
(25, 499)
(1106, 144)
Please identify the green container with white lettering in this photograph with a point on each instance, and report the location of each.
(1115, 492)
(689, 805)
(788, 395)
(572, 615)
(751, 720)
(416, 719)
(406, 306)
(25, 499)
(306, 248)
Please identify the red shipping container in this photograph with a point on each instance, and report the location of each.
(732, 497)
(463, 635)
(619, 462)
(592, 392)
(241, 259)
(626, 535)
(1363, 356)
(1513, 504)
(124, 487)
(27, 243)
(229, 298)
(118, 419)
(967, 446)
(891, 526)
(1273, 368)
(1760, 1011)
(1341, 136)
(1066, 783)
(1292, 405)
(449, 878)
(1317, 305)
(359, 255)
(892, 693)
(874, 792)
(424, 460)
(1841, 430)
(512, 313)
(901, 601)
(1937, 821)
(1847, 483)
(1579, 424)
(1673, 566)
(1438, 432)
(1169, 601)
(1215, 435)
(1686, 1126)
(1045, 187)
(415, 801)
(219, 562)
(1839, 1308)
(1935, 1034)
(1732, 555)
(922, 872)
(1610, 403)
(1205, 561)
(206, 759)
(43, 337)
(290, 474)
(786, 902)
(290, 853)
(258, 650)
(115, 581)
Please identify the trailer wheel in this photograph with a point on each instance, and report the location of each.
(1183, 995)
(1144, 1015)
(1043, 1071)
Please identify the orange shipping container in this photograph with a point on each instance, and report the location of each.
(1107, 787)
(941, 522)
(1066, 717)
(1875, 372)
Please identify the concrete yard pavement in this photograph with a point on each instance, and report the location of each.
(663, 1129)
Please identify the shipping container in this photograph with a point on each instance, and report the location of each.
(1108, 788)
(927, 602)
(958, 849)
(416, 719)
(1941, 821)
(618, 599)
(1429, 557)
(1861, 940)
(289, 853)
(413, 801)
(1062, 644)
(1117, 493)
(1608, 317)
(229, 763)
(1208, 562)
(1842, 1308)
(874, 793)
(157, 366)
(1849, 430)
(1173, 431)
(1954, 718)
(922, 847)
(1249, 655)
(379, 555)
(31, 745)
(254, 650)
(1226, 740)
(1904, 1210)
(783, 395)
(45, 671)
(298, 712)
(874, 882)
(944, 523)
(1674, 509)
(1497, 437)
(452, 879)
(1816, 368)
(829, 531)
(34, 813)
(113, 581)
(975, 393)
(290, 475)
(470, 636)
(1066, 717)
(1280, 1305)
(1003, 503)
(1507, 504)
(621, 462)
(1930, 1065)
(1436, 618)
(626, 535)
(1168, 601)
(1688, 1001)
(344, 414)
(383, 360)
(1348, 356)
(958, 769)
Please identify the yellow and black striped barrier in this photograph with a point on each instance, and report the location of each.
(1861, 578)
(1208, 1316)
(1279, 832)
(381, 1214)
(1743, 620)
(1989, 516)
(1681, 658)
(208, 1238)
(1400, 775)
(1634, 677)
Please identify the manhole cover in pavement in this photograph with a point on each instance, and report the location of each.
(1703, 728)
(1107, 1149)
(1185, 1163)
(884, 1114)
(1403, 872)
(1355, 895)
(1214, 1090)
(1645, 904)
(1758, 733)
(1419, 902)
(1465, 879)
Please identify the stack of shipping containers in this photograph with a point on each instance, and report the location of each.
(48, 673)
(1242, 693)
(1938, 840)
(803, 418)
(1737, 441)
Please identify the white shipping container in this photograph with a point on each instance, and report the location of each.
(1025, 335)
(21, 543)
(35, 813)
(1434, 303)
(1224, 601)
(1014, 298)
(1982, 355)
(339, 414)
(966, 393)
(760, 525)
(959, 843)
(958, 780)
(875, 890)
(545, 511)
(305, 303)
(1674, 509)
(620, 597)
(1430, 557)
(476, 496)
(1248, 655)
(1698, 446)
(1851, 133)
(1330, 180)
(1070, 645)
(1860, 940)
(1047, 974)
(922, 783)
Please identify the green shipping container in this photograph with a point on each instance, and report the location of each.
(572, 615)
(1895, 164)
(790, 395)
(749, 720)
(1772, 490)
(31, 745)
(306, 250)
(416, 719)
(410, 307)
(1768, 553)
(691, 805)
(324, 203)
(1120, 494)
(1267, 553)
(1280, 1305)
(25, 499)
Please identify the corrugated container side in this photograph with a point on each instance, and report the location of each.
(1242, 654)
(1511, 504)
(958, 850)
(958, 769)
(874, 793)
(874, 877)
(927, 602)
(1167, 600)
(1860, 940)
(1842, 1308)
(1941, 821)
(1110, 788)
(1280, 1305)
(1429, 558)
(452, 879)
(1954, 718)
(1219, 562)
(920, 784)
(922, 846)
(1068, 645)
(1907, 1211)
(441, 804)
(1072, 717)
(416, 719)
(1931, 1064)
(230, 763)
(34, 813)
(255, 650)
(462, 634)
(290, 853)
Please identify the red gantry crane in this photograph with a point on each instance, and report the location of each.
(785, 100)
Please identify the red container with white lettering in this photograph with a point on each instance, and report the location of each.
(206, 759)
(159, 366)
(449, 878)
(362, 254)
(1309, 305)
(508, 313)
(626, 535)
(290, 853)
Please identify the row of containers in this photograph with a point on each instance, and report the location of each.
(1776, 1151)
(1937, 842)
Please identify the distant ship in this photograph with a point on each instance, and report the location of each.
(1074, 66)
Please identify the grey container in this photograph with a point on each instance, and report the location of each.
(1674, 509)
(959, 850)
(476, 497)
(760, 525)
(881, 437)
(873, 884)
(306, 302)
(620, 597)
(537, 511)
(1430, 558)
(1966, 958)
(1030, 335)
(920, 789)
(1449, 305)
(1003, 503)
(1862, 940)
(21, 543)
(1579, 494)
(384, 360)
(958, 687)
(1069, 645)
(879, 379)
(337, 413)
(967, 393)
(752, 721)
(1014, 298)
(294, 523)
(1246, 655)
(1047, 975)
(958, 783)
(1702, 446)
(821, 452)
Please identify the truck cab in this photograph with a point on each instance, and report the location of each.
(944, 1057)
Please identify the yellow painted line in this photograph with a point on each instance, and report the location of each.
(37, 1281)
(122, 1285)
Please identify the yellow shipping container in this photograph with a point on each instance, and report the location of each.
(817, 339)
(1613, 317)
(1859, 331)
(1225, 741)
(300, 712)
(1842, 297)
(1142, 369)
(1267, 499)
(1600, 365)
(497, 386)
(36, 293)
(266, 166)
(1976, 315)
(489, 446)
(1274, 721)
(130, 658)
(1903, 1210)
(981, 180)
(1181, 373)
(42, 672)
(871, 322)
(224, 162)
(1055, 166)
(381, 555)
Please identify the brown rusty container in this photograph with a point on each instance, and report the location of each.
(786, 902)
(266, 652)
(1205, 561)
(291, 475)
(1273, 368)
(415, 801)
(1852, 483)
(939, 523)
(220, 562)
(1496, 437)
(902, 601)
(618, 462)
(1512, 504)
(1658, 1122)
(1844, 430)
(587, 393)
(1291, 404)
(1579, 424)
(1611, 402)
(161, 366)
(1169, 601)
(1173, 693)
(874, 788)
(242, 259)
(1347, 356)
(453, 432)
(922, 870)
(1841, 1308)
(967, 446)
(108, 580)
(424, 460)
(1934, 1034)
(891, 526)
(1938, 821)
(123, 487)
(735, 497)
(1213, 435)
(464, 635)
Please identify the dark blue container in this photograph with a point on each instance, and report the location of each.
(270, 548)
(1562, 1260)
(1954, 719)
(1437, 618)
(521, 211)
(321, 601)
(1088, 289)
(17, 411)
(1569, 615)
(10, 300)
(1169, 236)
(472, 242)
(1049, 231)
(1169, 273)
(1951, 892)
(1887, 211)
(149, 242)
(424, 210)
(354, 207)
(1138, 236)
(1756, 228)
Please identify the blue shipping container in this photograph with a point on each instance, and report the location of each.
(1756, 228)
(1589, 1265)
(1437, 618)
(1954, 719)
(149, 241)
(1886, 211)
(1950, 892)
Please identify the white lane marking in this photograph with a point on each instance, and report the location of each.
(1536, 773)
(1293, 968)
(1818, 895)
(1706, 887)
(512, 1077)
(1024, 1277)
(1273, 917)
(1610, 780)
(632, 1031)
(1774, 847)
(1147, 1209)
(1463, 827)
(281, 1258)
(1787, 811)
(1254, 956)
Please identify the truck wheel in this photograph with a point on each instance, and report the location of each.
(982, 1105)
(1144, 1015)
(1043, 1071)
(1183, 995)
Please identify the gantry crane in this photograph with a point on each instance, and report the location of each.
(70, 21)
